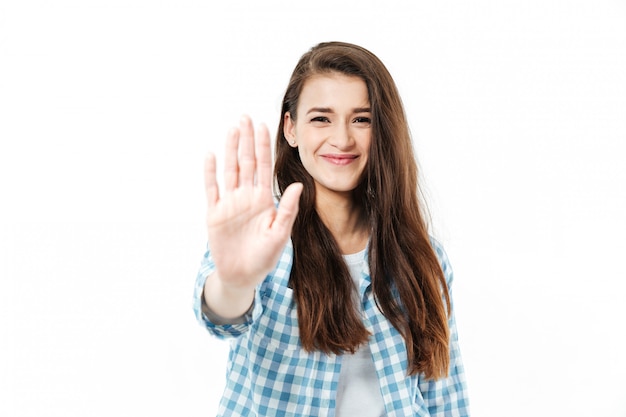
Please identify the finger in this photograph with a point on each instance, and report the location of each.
(287, 209)
(247, 161)
(231, 166)
(263, 158)
(210, 180)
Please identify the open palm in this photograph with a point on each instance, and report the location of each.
(245, 230)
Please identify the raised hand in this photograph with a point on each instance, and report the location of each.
(246, 232)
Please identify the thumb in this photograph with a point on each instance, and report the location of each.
(288, 209)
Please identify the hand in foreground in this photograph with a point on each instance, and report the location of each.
(245, 230)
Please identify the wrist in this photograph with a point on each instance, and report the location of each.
(226, 299)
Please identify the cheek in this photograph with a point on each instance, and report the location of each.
(365, 142)
(305, 157)
(309, 141)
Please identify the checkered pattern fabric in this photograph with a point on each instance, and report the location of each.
(269, 374)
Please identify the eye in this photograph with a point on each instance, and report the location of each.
(363, 120)
(321, 119)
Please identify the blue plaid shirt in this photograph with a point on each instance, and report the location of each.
(269, 374)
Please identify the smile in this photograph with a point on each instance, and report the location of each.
(340, 159)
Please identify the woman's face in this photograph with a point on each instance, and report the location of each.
(332, 131)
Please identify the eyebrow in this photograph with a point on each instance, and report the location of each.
(330, 110)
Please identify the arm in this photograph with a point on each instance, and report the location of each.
(216, 325)
(246, 232)
(232, 303)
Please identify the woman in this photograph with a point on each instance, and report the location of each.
(337, 301)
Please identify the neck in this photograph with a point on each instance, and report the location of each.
(345, 220)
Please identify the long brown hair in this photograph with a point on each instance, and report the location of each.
(407, 281)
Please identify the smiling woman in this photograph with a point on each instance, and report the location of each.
(337, 301)
(333, 135)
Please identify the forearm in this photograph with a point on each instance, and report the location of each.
(227, 301)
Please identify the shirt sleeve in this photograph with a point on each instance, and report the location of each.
(217, 328)
(447, 397)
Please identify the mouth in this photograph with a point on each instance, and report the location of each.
(340, 159)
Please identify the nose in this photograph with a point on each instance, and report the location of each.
(341, 137)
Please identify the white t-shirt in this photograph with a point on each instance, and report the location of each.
(358, 392)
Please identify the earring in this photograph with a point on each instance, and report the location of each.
(292, 142)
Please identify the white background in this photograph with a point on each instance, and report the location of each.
(518, 111)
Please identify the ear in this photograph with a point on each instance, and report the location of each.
(289, 130)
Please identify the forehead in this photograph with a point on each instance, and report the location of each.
(334, 90)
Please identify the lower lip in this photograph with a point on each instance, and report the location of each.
(339, 161)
